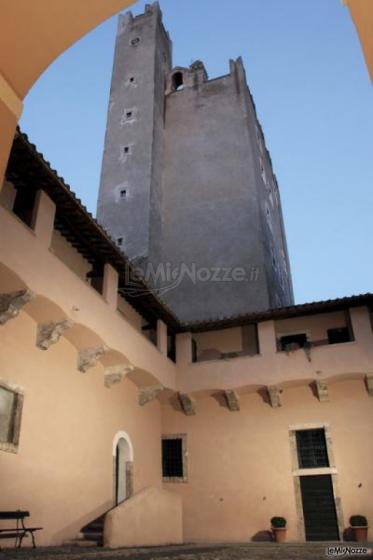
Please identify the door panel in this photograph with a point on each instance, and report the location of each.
(320, 516)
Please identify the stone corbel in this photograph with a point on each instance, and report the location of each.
(188, 404)
(50, 333)
(148, 394)
(115, 374)
(369, 383)
(232, 400)
(11, 303)
(322, 391)
(275, 398)
(88, 357)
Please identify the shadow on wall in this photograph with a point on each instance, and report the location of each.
(263, 393)
(266, 536)
(262, 536)
(348, 534)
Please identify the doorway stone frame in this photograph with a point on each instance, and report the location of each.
(297, 473)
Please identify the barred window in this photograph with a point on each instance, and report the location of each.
(174, 458)
(312, 450)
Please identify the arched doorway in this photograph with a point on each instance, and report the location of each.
(123, 467)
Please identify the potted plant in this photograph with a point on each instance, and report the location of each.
(359, 525)
(279, 529)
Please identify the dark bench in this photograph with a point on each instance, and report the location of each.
(19, 532)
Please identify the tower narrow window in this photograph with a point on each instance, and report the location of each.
(128, 117)
(123, 193)
(177, 81)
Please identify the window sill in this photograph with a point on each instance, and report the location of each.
(314, 346)
(225, 359)
(176, 479)
(315, 471)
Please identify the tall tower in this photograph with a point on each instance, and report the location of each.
(130, 189)
(187, 182)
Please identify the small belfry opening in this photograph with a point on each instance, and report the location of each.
(177, 81)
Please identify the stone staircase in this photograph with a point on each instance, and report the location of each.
(91, 535)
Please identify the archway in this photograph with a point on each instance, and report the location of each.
(123, 467)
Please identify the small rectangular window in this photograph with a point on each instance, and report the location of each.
(10, 418)
(174, 458)
(311, 448)
(194, 351)
(150, 331)
(336, 336)
(96, 277)
(171, 345)
(24, 205)
(292, 342)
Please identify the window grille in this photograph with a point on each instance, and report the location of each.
(172, 458)
(312, 450)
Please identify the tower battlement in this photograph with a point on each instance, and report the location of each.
(187, 180)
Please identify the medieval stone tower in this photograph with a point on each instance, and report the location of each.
(187, 187)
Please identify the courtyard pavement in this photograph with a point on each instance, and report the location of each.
(252, 551)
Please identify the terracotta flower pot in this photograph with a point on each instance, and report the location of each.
(279, 534)
(360, 533)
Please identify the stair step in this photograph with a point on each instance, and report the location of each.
(95, 526)
(93, 535)
(81, 543)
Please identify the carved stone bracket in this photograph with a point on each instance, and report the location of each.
(11, 303)
(369, 383)
(232, 399)
(322, 391)
(115, 374)
(274, 393)
(148, 394)
(88, 357)
(188, 404)
(50, 333)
